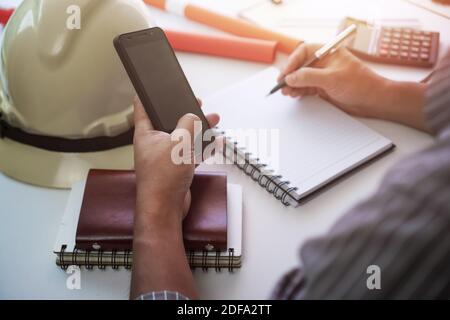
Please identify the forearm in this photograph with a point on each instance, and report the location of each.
(159, 259)
(401, 102)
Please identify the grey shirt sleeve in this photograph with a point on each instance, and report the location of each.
(395, 245)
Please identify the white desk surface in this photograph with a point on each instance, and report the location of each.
(272, 233)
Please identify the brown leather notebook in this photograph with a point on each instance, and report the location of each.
(107, 212)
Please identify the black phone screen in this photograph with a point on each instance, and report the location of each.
(159, 79)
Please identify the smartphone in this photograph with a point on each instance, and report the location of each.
(158, 78)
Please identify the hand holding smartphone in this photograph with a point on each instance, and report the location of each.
(158, 79)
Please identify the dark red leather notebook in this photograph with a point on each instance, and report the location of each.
(107, 212)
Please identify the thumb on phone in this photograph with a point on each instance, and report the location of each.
(142, 123)
(186, 135)
(188, 123)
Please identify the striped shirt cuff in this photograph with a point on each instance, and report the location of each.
(437, 109)
(162, 295)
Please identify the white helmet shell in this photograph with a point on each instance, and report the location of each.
(61, 79)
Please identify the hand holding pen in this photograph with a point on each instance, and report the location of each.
(349, 84)
(320, 54)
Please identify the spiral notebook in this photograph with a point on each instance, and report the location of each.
(300, 145)
(67, 254)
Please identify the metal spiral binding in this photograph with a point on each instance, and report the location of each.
(101, 265)
(87, 260)
(258, 172)
(204, 257)
(217, 265)
(230, 260)
(101, 262)
(127, 259)
(114, 264)
(62, 263)
(74, 256)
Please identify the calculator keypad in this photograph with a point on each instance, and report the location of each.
(408, 46)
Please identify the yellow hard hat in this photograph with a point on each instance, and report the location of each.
(65, 98)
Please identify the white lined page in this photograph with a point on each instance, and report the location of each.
(317, 141)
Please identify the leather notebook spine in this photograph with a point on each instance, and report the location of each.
(265, 177)
(100, 259)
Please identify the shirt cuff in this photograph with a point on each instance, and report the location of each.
(437, 105)
(162, 295)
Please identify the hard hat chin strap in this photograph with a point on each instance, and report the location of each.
(57, 144)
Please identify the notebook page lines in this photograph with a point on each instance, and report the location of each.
(314, 137)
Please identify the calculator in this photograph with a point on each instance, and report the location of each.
(393, 45)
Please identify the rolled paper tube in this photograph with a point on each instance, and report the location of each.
(228, 24)
(160, 4)
(5, 14)
(224, 46)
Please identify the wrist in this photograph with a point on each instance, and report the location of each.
(155, 218)
(157, 238)
(372, 96)
(381, 99)
(402, 102)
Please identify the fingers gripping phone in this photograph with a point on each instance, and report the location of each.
(158, 78)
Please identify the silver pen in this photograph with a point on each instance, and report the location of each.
(321, 53)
